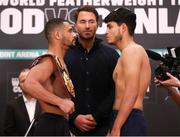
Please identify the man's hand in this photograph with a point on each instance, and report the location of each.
(157, 82)
(90, 117)
(172, 81)
(85, 122)
(67, 106)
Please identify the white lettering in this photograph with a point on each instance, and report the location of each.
(117, 2)
(142, 2)
(49, 11)
(4, 2)
(149, 22)
(151, 2)
(11, 21)
(51, 2)
(32, 3)
(33, 21)
(17, 89)
(61, 3)
(69, 14)
(105, 3)
(40, 2)
(128, 2)
(14, 2)
(173, 2)
(103, 12)
(22, 2)
(163, 22)
(96, 3)
(78, 2)
(14, 81)
(27, 54)
(87, 2)
(7, 54)
(160, 2)
(70, 3)
(177, 28)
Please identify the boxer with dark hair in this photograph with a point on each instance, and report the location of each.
(132, 74)
(50, 84)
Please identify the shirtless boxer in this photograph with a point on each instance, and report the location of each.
(132, 75)
(46, 83)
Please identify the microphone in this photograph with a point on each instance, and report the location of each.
(153, 55)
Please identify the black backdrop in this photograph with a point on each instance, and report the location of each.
(22, 39)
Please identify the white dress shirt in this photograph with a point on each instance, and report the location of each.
(30, 106)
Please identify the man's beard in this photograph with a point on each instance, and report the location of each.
(86, 38)
(117, 38)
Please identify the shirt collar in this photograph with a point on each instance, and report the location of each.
(95, 45)
(26, 100)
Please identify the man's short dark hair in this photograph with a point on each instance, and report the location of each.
(88, 9)
(51, 25)
(123, 15)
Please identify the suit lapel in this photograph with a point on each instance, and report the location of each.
(37, 110)
(24, 110)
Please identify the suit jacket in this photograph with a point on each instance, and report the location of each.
(16, 120)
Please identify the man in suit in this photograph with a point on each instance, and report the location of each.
(21, 111)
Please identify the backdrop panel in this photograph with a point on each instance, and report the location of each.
(22, 39)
